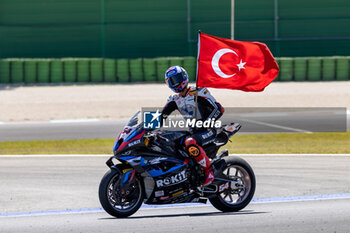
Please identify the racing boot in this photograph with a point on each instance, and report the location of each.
(202, 159)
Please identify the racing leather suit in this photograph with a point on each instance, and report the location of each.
(208, 108)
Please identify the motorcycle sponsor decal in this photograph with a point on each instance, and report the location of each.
(178, 193)
(127, 152)
(223, 187)
(203, 163)
(175, 190)
(159, 193)
(207, 135)
(216, 114)
(157, 160)
(134, 142)
(193, 150)
(232, 128)
(144, 162)
(163, 198)
(125, 133)
(175, 179)
(134, 161)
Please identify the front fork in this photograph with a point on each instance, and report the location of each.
(126, 179)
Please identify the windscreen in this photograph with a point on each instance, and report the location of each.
(134, 120)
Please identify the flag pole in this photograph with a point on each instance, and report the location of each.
(232, 19)
(196, 103)
(196, 95)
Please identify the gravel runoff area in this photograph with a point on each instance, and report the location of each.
(116, 101)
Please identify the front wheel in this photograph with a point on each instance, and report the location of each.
(240, 191)
(118, 199)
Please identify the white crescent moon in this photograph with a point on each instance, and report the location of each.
(215, 62)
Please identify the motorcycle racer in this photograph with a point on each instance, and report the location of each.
(184, 101)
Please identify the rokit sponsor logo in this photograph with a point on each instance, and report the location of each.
(178, 178)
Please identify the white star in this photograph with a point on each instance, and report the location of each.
(155, 115)
(241, 65)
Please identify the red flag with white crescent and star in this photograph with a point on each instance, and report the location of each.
(230, 64)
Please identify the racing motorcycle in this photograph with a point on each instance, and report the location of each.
(153, 167)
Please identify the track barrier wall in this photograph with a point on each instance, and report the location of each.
(97, 70)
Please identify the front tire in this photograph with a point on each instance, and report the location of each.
(241, 191)
(115, 202)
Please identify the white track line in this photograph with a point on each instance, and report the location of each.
(74, 120)
(263, 114)
(96, 119)
(180, 205)
(277, 126)
(108, 155)
(57, 155)
(292, 155)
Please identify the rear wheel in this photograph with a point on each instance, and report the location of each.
(117, 200)
(240, 190)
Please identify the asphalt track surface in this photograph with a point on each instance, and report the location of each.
(59, 194)
(278, 122)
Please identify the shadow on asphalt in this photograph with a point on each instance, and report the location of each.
(189, 215)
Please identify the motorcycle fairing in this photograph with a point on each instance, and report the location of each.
(170, 175)
(154, 166)
(122, 144)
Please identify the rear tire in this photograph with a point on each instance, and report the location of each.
(110, 197)
(245, 176)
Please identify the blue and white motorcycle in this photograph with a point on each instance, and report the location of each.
(153, 167)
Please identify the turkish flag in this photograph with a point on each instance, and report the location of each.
(230, 64)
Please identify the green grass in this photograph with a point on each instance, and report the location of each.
(79, 146)
(291, 143)
(316, 143)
